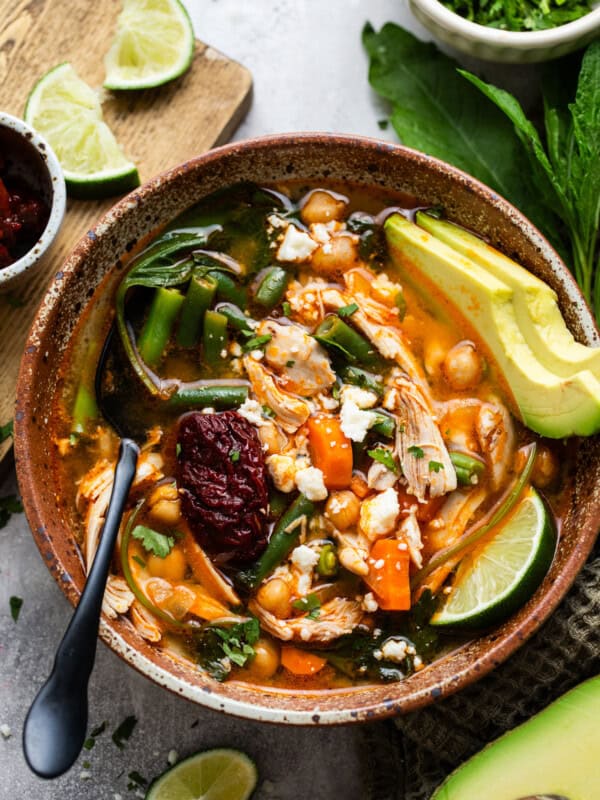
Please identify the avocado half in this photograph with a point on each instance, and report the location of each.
(502, 310)
(557, 752)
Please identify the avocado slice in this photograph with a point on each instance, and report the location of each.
(552, 405)
(557, 752)
(536, 306)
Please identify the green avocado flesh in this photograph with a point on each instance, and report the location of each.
(557, 752)
(536, 307)
(551, 404)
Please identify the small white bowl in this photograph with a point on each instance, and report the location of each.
(514, 47)
(32, 159)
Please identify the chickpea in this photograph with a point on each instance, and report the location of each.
(171, 567)
(321, 206)
(275, 596)
(342, 509)
(340, 253)
(265, 661)
(462, 366)
(545, 468)
(272, 440)
(165, 507)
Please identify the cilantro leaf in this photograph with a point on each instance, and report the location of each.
(15, 607)
(257, 342)
(152, 541)
(416, 451)
(435, 466)
(347, 311)
(234, 455)
(385, 457)
(123, 732)
(235, 643)
(6, 431)
(8, 506)
(310, 605)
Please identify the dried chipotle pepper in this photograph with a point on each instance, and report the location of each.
(223, 483)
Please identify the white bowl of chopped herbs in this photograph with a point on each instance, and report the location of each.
(518, 31)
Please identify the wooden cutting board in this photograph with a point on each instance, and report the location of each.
(157, 128)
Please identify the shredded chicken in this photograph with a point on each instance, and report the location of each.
(410, 532)
(118, 597)
(336, 618)
(94, 490)
(300, 361)
(145, 622)
(353, 551)
(419, 445)
(291, 412)
(496, 435)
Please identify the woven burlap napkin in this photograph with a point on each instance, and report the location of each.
(565, 651)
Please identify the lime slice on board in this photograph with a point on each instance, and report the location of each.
(500, 575)
(65, 110)
(212, 775)
(154, 44)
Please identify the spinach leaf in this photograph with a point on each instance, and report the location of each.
(436, 112)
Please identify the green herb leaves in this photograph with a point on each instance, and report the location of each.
(15, 607)
(554, 180)
(520, 15)
(385, 457)
(347, 311)
(310, 604)
(152, 541)
(123, 732)
(237, 641)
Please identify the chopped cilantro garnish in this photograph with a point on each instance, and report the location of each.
(257, 342)
(89, 743)
(290, 363)
(124, 731)
(310, 604)
(95, 732)
(435, 466)
(135, 780)
(139, 561)
(347, 311)
(268, 412)
(234, 455)
(6, 431)
(15, 607)
(287, 309)
(8, 506)
(382, 124)
(236, 642)
(402, 427)
(177, 450)
(152, 541)
(416, 451)
(385, 457)
(86, 764)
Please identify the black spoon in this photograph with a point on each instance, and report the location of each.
(56, 724)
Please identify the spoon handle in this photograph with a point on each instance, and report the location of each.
(56, 724)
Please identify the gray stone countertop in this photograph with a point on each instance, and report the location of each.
(310, 73)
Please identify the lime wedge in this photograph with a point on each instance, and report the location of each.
(211, 775)
(500, 575)
(65, 110)
(154, 44)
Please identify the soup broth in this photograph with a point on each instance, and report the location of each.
(314, 430)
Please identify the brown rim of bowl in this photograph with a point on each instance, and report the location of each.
(335, 706)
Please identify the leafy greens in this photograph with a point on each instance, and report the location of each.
(553, 179)
(519, 15)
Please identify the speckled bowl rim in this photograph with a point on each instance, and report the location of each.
(517, 40)
(334, 706)
(17, 269)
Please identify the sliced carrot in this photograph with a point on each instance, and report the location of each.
(300, 662)
(389, 575)
(331, 451)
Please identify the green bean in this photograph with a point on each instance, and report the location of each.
(198, 299)
(214, 337)
(385, 425)
(359, 377)
(84, 409)
(228, 289)
(284, 538)
(277, 503)
(327, 565)
(336, 335)
(209, 396)
(235, 317)
(468, 469)
(272, 286)
(158, 327)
